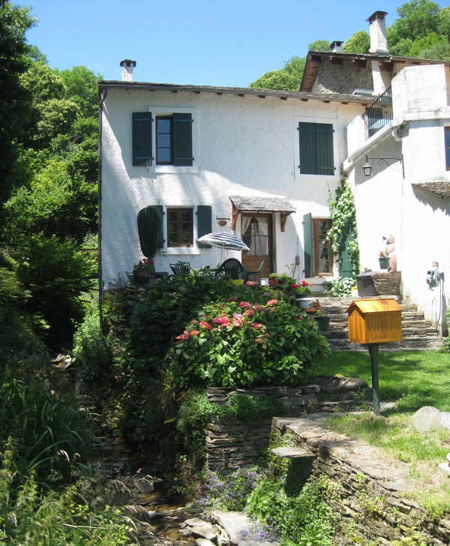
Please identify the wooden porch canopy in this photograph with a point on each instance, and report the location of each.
(261, 205)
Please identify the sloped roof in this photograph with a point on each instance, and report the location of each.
(374, 306)
(261, 204)
(314, 59)
(238, 91)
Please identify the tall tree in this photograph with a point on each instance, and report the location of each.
(14, 100)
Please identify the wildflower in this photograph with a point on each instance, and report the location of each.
(272, 302)
(238, 316)
(245, 305)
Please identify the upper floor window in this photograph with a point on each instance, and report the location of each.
(447, 148)
(173, 136)
(316, 148)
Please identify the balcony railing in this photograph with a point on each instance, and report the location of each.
(379, 113)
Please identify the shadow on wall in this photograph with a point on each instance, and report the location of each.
(436, 201)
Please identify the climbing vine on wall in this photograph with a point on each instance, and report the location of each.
(343, 234)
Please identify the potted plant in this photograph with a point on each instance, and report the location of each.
(321, 317)
(142, 270)
(384, 259)
(273, 279)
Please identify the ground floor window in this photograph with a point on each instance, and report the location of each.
(323, 253)
(180, 227)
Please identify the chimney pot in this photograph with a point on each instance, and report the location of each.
(127, 70)
(377, 28)
(336, 46)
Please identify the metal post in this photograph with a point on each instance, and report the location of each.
(373, 351)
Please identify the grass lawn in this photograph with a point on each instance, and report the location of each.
(412, 380)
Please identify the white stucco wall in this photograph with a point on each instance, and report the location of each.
(242, 146)
(387, 203)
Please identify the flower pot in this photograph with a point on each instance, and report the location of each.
(384, 262)
(304, 303)
(273, 281)
(141, 277)
(323, 322)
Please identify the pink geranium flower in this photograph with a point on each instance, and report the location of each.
(249, 312)
(272, 302)
(257, 326)
(245, 305)
(205, 325)
(194, 333)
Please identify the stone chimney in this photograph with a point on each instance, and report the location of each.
(336, 46)
(378, 41)
(127, 70)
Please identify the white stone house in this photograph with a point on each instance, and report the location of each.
(220, 159)
(266, 163)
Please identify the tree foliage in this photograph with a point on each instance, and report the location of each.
(422, 30)
(14, 22)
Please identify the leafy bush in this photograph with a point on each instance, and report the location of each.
(237, 343)
(446, 340)
(306, 518)
(50, 436)
(94, 356)
(28, 515)
(341, 287)
(56, 274)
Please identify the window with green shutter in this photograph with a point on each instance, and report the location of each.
(174, 140)
(204, 224)
(316, 148)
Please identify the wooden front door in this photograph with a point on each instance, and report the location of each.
(257, 235)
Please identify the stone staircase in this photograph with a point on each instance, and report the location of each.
(418, 334)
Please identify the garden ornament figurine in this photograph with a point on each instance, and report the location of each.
(390, 251)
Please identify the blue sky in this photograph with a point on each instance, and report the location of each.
(203, 42)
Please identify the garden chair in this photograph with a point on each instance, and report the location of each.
(232, 268)
(257, 273)
(181, 268)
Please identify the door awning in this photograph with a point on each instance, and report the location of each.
(261, 205)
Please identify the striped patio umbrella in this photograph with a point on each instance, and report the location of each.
(223, 240)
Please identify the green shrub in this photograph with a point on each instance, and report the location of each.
(306, 518)
(56, 274)
(341, 287)
(237, 343)
(446, 340)
(29, 515)
(51, 438)
(93, 356)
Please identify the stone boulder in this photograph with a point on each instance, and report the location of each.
(430, 418)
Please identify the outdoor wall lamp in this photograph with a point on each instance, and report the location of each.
(367, 167)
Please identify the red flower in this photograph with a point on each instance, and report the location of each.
(205, 325)
(304, 283)
(294, 285)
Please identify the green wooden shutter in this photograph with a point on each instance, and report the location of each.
(324, 149)
(345, 265)
(182, 140)
(316, 148)
(307, 137)
(142, 138)
(308, 246)
(204, 224)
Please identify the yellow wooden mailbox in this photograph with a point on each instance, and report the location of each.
(371, 322)
(374, 321)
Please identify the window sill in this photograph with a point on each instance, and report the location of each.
(171, 169)
(180, 251)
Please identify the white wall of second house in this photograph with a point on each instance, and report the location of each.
(242, 146)
(388, 203)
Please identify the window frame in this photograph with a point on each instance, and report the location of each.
(316, 248)
(165, 111)
(447, 147)
(179, 226)
(157, 139)
(306, 177)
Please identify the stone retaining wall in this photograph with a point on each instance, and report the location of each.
(232, 443)
(372, 488)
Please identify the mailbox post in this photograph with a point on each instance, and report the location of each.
(372, 322)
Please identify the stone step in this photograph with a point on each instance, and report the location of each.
(291, 452)
(414, 344)
(407, 333)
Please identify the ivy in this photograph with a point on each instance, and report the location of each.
(343, 234)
